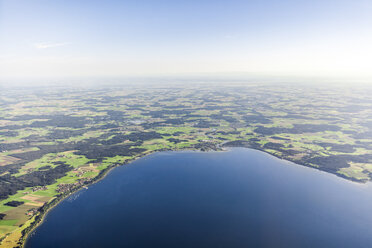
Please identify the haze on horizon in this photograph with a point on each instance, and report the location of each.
(320, 38)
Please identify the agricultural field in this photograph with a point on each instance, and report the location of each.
(54, 141)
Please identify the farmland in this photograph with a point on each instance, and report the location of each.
(54, 141)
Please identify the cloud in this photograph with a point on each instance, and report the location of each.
(45, 45)
(231, 36)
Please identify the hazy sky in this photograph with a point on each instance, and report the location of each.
(46, 38)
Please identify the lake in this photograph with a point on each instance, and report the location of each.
(237, 198)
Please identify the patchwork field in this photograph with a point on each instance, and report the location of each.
(54, 141)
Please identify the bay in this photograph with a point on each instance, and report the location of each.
(237, 198)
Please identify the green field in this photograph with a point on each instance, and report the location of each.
(56, 141)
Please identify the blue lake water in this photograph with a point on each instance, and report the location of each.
(238, 198)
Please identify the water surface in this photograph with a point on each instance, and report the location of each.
(239, 198)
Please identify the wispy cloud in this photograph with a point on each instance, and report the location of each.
(231, 36)
(45, 45)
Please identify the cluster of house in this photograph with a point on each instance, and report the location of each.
(37, 188)
(79, 173)
(32, 211)
(68, 187)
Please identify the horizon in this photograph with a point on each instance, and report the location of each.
(177, 80)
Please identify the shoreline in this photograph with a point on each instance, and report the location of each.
(50, 206)
(350, 179)
(39, 219)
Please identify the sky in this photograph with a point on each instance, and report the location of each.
(89, 38)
